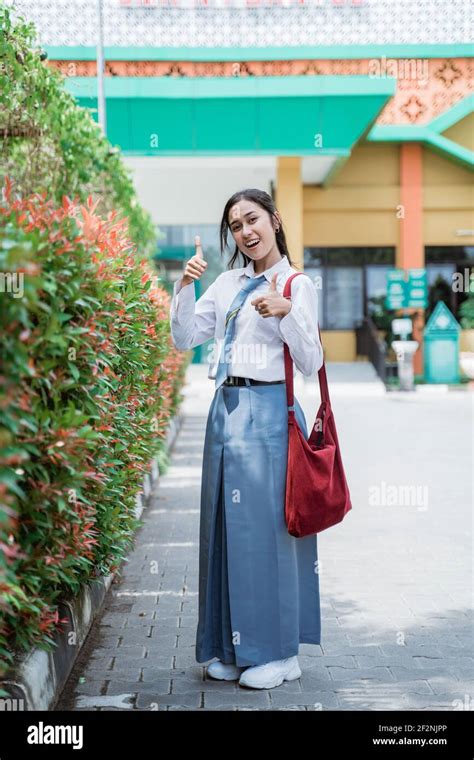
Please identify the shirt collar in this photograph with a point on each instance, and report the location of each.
(280, 266)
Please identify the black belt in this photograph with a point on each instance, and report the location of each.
(234, 380)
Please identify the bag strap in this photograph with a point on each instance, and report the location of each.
(322, 377)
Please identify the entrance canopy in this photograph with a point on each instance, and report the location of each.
(252, 115)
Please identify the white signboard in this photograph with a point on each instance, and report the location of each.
(402, 326)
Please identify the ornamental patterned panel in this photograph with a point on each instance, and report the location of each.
(318, 22)
(425, 87)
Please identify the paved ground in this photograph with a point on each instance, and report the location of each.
(396, 576)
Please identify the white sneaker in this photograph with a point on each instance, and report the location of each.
(271, 674)
(224, 672)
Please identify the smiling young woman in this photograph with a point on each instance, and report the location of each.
(258, 586)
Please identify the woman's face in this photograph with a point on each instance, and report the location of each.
(252, 230)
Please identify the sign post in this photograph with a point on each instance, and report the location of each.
(406, 289)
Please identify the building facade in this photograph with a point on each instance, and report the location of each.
(357, 116)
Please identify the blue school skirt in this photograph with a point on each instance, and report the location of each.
(258, 586)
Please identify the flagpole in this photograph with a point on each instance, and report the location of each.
(100, 70)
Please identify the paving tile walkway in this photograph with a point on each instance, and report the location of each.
(396, 576)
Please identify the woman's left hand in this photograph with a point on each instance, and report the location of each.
(272, 304)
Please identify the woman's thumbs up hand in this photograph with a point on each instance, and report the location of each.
(196, 265)
(197, 243)
(272, 304)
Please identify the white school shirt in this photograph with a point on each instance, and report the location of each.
(257, 348)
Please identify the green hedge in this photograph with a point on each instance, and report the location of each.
(47, 142)
(89, 379)
(88, 375)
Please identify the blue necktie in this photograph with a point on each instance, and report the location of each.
(222, 369)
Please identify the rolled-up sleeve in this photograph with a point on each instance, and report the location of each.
(191, 322)
(299, 328)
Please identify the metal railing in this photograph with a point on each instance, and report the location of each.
(370, 344)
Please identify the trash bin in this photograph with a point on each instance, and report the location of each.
(441, 346)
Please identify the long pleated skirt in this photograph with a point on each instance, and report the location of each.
(258, 586)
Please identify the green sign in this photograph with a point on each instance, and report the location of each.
(406, 294)
(396, 289)
(417, 288)
(441, 354)
(442, 321)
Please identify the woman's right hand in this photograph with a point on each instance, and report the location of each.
(196, 265)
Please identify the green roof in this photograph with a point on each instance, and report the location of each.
(292, 115)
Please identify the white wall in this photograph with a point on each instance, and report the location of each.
(188, 190)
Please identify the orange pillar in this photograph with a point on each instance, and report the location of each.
(410, 252)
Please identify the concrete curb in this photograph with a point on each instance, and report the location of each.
(37, 678)
(152, 477)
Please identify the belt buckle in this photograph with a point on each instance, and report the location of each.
(230, 380)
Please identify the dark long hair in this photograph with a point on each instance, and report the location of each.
(265, 201)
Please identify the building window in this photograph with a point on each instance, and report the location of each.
(350, 282)
(344, 296)
(442, 262)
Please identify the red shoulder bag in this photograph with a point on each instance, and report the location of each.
(317, 495)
